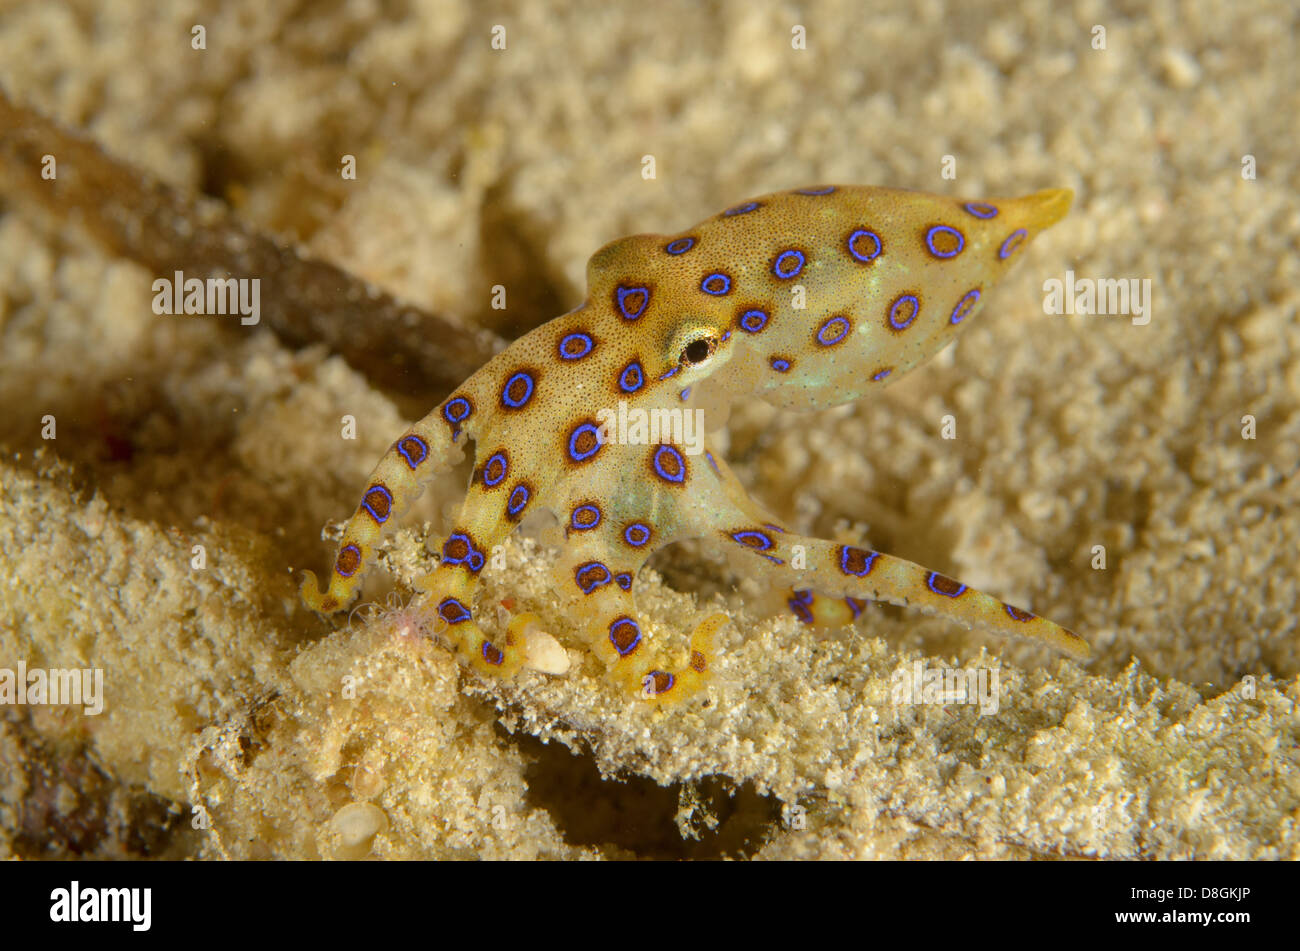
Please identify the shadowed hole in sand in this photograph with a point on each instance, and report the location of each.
(638, 816)
(71, 808)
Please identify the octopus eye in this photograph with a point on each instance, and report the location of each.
(697, 351)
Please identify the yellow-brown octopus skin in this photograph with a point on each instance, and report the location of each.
(707, 317)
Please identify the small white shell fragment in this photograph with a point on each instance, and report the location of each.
(545, 653)
(1180, 68)
(542, 652)
(356, 826)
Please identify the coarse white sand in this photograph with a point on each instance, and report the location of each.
(481, 166)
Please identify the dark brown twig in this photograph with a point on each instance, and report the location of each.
(399, 347)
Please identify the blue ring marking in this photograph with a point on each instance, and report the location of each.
(847, 552)
(573, 438)
(929, 241)
(519, 497)
(662, 473)
(622, 293)
(893, 311)
(881, 374)
(527, 379)
(855, 606)
(741, 536)
(456, 412)
(754, 320)
(601, 576)
(713, 278)
(623, 580)
(744, 209)
(1017, 614)
(726, 335)
(583, 340)
(592, 510)
(471, 555)
(680, 246)
(980, 209)
(865, 258)
(788, 264)
(648, 681)
(930, 582)
(382, 490)
(964, 306)
(800, 602)
(824, 190)
(453, 611)
(406, 452)
(1014, 240)
(774, 528)
(632, 378)
(780, 364)
(713, 462)
(669, 372)
(686, 394)
(827, 337)
(347, 548)
(623, 622)
(500, 457)
(495, 657)
(637, 534)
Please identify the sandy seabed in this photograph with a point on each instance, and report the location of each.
(227, 729)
